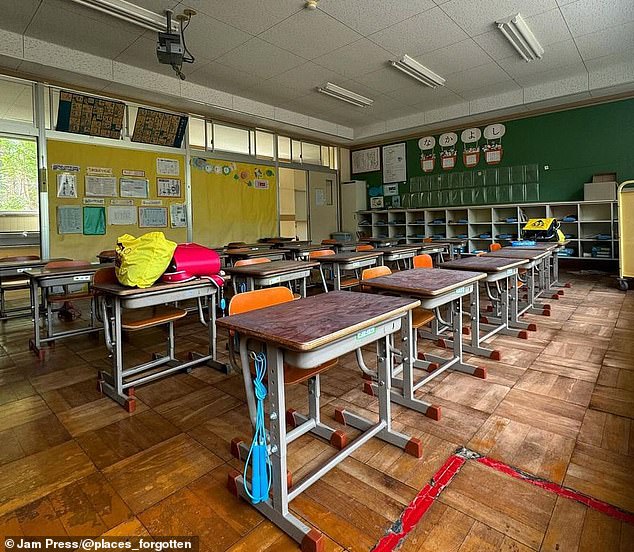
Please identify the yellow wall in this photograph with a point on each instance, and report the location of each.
(226, 204)
(79, 246)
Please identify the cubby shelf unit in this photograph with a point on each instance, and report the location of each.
(596, 224)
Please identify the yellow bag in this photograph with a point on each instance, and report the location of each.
(141, 261)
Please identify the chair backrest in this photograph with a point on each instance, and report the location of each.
(105, 276)
(232, 245)
(375, 272)
(495, 247)
(67, 264)
(111, 253)
(258, 299)
(320, 253)
(427, 240)
(423, 261)
(256, 260)
(328, 242)
(19, 258)
(365, 247)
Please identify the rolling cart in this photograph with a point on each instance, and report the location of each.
(625, 197)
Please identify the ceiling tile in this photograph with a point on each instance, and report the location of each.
(587, 16)
(260, 59)
(310, 34)
(477, 77)
(16, 14)
(612, 70)
(495, 45)
(490, 90)
(480, 17)
(306, 78)
(269, 91)
(552, 75)
(606, 42)
(92, 32)
(562, 86)
(435, 102)
(369, 17)
(454, 58)
(220, 77)
(11, 44)
(72, 79)
(422, 33)
(385, 80)
(416, 94)
(358, 58)
(253, 17)
(503, 100)
(209, 38)
(558, 55)
(142, 53)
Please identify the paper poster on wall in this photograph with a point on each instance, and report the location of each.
(390, 190)
(376, 202)
(133, 172)
(94, 201)
(69, 219)
(470, 146)
(448, 153)
(178, 215)
(133, 187)
(320, 197)
(366, 160)
(394, 163)
(100, 171)
(168, 187)
(152, 202)
(66, 185)
(427, 155)
(94, 221)
(121, 202)
(121, 215)
(101, 186)
(493, 148)
(261, 184)
(168, 167)
(152, 217)
(65, 168)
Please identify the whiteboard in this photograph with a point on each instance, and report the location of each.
(394, 163)
(366, 160)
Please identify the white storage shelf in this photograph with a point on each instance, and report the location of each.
(592, 218)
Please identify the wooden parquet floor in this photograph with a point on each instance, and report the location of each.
(559, 405)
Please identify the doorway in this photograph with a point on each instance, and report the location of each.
(293, 185)
(19, 202)
(323, 204)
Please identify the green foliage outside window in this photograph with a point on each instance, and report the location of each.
(18, 175)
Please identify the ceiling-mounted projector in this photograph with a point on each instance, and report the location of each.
(171, 48)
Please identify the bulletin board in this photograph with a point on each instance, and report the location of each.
(232, 201)
(103, 162)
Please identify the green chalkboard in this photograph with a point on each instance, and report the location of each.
(572, 144)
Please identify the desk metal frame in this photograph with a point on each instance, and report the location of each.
(40, 281)
(300, 274)
(337, 266)
(123, 379)
(276, 508)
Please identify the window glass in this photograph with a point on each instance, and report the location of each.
(264, 142)
(284, 147)
(311, 153)
(16, 101)
(233, 139)
(196, 132)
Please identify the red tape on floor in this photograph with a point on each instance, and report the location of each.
(441, 479)
(421, 503)
(571, 494)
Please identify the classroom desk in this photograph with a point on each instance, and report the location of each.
(42, 279)
(500, 286)
(382, 242)
(234, 255)
(555, 248)
(119, 297)
(341, 246)
(454, 246)
(293, 242)
(398, 253)
(535, 266)
(307, 333)
(346, 261)
(299, 251)
(276, 240)
(434, 287)
(273, 273)
(12, 271)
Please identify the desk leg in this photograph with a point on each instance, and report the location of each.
(303, 287)
(337, 277)
(213, 362)
(533, 306)
(35, 343)
(514, 324)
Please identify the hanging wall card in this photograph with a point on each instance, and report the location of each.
(168, 187)
(69, 220)
(178, 215)
(448, 153)
(94, 221)
(152, 217)
(66, 185)
(394, 163)
(65, 168)
(133, 187)
(390, 190)
(427, 153)
(376, 202)
(470, 146)
(366, 160)
(121, 215)
(493, 147)
(101, 186)
(168, 167)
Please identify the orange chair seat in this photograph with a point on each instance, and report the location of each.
(138, 319)
(294, 375)
(63, 297)
(421, 317)
(349, 282)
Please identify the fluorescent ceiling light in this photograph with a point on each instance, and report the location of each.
(344, 95)
(130, 13)
(412, 68)
(517, 32)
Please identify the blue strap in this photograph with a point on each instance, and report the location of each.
(258, 453)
